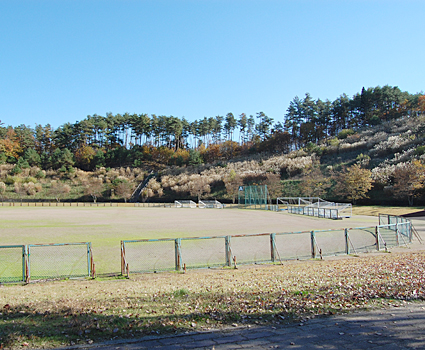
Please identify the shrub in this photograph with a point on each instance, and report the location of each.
(10, 180)
(41, 174)
(30, 188)
(30, 179)
(334, 142)
(2, 188)
(16, 170)
(343, 134)
(420, 150)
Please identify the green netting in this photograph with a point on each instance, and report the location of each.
(253, 197)
(65, 260)
(12, 263)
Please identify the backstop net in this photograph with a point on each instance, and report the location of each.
(253, 197)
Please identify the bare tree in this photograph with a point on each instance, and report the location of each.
(2, 189)
(124, 190)
(199, 186)
(232, 182)
(30, 188)
(19, 190)
(274, 185)
(59, 189)
(153, 187)
(94, 188)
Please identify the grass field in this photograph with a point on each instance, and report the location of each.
(52, 314)
(105, 227)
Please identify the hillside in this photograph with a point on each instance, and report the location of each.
(388, 157)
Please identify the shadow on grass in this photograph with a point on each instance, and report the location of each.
(23, 326)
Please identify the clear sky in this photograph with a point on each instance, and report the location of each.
(61, 60)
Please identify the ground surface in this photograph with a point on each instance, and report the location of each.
(390, 328)
(399, 327)
(105, 227)
(79, 311)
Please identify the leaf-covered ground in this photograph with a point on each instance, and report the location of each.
(59, 313)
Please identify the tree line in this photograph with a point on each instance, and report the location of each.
(134, 139)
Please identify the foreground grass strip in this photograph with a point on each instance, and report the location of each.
(79, 312)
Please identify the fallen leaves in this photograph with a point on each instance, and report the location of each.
(68, 312)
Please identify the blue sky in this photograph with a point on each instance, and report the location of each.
(62, 60)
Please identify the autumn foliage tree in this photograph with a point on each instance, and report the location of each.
(10, 144)
(84, 156)
(409, 179)
(421, 103)
(353, 183)
(314, 183)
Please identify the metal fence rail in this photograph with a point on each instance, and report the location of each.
(21, 263)
(196, 252)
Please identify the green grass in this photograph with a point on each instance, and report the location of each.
(106, 226)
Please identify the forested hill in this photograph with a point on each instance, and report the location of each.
(377, 133)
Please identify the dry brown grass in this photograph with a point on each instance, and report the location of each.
(80, 312)
(376, 210)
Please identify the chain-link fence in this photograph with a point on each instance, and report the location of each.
(147, 255)
(169, 254)
(401, 225)
(60, 260)
(292, 245)
(254, 248)
(12, 263)
(205, 252)
(45, 261)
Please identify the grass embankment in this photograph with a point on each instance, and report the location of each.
(79, 312)
(375, 210)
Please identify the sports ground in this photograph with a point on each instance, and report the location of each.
(84, 312)
(105, 227)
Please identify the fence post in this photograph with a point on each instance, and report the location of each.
(228, 251)
(89, 259)
(377, 238)
(313, 245)
(28, 264)
(273, 246)
(24, 263)
(122, 258)
(396, 235)
(347, 243)
(178, 254)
